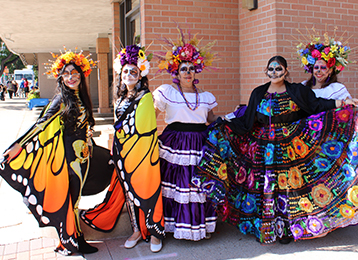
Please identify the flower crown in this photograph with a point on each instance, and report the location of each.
(335, 53)
(135, 55)
(182, 51)
(69, 57)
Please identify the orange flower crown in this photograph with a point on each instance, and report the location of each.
(69, 57)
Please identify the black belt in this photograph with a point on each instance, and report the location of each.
(187, 127)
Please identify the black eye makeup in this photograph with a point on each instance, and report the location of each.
(316, 67)
(275, 69)
(133, 72)
(185, 69)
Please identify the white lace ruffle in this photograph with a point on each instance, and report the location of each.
(179, 157)
(182, 195)
(190, 232)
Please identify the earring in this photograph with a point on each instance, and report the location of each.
(195, 81)
(328, 78)
(176, 81)
(313, 81)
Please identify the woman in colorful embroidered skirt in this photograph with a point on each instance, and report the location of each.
(285, 169)
(187, 109)
(50, 163)
(136, 156)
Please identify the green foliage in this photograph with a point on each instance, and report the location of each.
(9, 59)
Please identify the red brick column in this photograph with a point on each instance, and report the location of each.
(116, 44)
(103, 88)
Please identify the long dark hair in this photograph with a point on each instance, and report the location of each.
(71, 112)
(332, 78)
(120, 90)
(280, 60)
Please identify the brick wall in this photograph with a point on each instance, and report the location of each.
(212, 20)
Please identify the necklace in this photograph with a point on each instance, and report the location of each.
(187, 103)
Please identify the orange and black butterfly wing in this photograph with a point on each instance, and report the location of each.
(136, 156)
(40, 173)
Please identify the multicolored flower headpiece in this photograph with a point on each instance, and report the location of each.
(183, 51)
(335, 53)
(135, 55)
(84, 62)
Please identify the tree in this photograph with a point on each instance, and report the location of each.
(8, 59)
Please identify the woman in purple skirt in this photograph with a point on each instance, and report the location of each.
(187, 109)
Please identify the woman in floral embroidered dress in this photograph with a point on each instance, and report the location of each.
(288, 175)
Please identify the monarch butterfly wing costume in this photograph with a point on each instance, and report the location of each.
(136, 156)
(40, 173)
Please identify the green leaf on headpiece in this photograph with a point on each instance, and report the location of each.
(149, 57)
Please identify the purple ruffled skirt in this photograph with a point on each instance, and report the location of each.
(187, 214)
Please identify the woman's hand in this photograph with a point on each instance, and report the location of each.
(352, 101)
(13, 151)
(341, 103)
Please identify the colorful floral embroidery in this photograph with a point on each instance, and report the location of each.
(280, 225)
(269, 153)
(321, 195)
(282, 181)
(295, 178)
(291, 153)
(282, 203)
(238, 201)
(300, 147)
(264, 107)
(344, 115)
(241, 175)
(285, 131)
(297, 231)
(249, 204)
(224, 149)
(305, 205)
(208, 187)
(212, 137)
(245, 227)
(353, 153)
(322, 164)
(352, 195)
(332, 149)
(315, 125)
(314, 225)
(293, 106)
(348, 172)
(346, 211)
(222, 171)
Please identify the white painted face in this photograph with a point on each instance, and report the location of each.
(71, 77)
(276, 72)
(130, 75)
(320, 71)
(186, 73)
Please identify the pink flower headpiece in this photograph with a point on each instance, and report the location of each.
(335, 53)
(183, 51)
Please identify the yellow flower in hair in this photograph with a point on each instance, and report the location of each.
(304, 61)
(326, 57)
(163, 65)
(334, 48)
(141, 54)
(168, 56)
(123, 50)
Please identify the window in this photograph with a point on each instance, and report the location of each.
(129, 21)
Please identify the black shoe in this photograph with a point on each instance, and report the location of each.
(84, 247)
(285, 241)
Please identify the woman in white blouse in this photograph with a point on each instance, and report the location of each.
(187, 109)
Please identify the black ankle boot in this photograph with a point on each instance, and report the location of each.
(285, 241)
(84, 247)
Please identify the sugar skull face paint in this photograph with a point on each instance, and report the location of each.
(275, 70)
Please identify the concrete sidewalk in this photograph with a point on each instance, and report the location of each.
(21, 238)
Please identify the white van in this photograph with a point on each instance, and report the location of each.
(24, 73)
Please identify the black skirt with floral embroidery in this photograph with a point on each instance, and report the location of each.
(290, 177)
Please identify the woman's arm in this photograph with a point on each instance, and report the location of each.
(212, 117)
